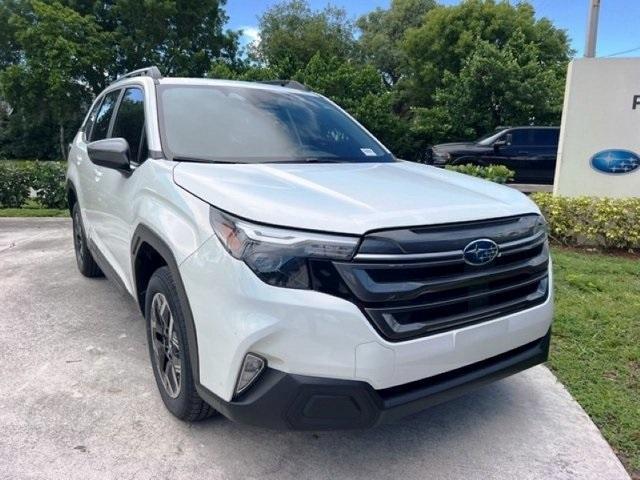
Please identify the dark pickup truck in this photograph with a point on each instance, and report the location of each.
(529, 151)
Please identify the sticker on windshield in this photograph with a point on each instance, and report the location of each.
(368, 152)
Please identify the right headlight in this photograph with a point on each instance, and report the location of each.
(279, 256)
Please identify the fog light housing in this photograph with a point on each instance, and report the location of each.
(252, 367)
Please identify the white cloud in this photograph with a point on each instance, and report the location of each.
(250, 34)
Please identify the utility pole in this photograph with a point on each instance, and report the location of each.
(592, 29)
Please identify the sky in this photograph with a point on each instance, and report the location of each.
(618, 31)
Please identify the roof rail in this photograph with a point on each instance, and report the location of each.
(287, 83)
(152, 72)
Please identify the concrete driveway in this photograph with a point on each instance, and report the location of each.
(78, 400)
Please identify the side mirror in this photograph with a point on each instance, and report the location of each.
(110, 153)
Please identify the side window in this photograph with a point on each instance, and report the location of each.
(103, 117)
(91, 119)
(129, 123)
(520, 137)
(546, 136)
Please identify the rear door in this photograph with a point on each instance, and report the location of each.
(544, 152)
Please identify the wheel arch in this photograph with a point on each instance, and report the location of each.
(72, 195)
(149, 252)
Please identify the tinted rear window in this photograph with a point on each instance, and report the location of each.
(546, 136)
(252, 125)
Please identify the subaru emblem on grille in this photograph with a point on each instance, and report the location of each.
(480, 252)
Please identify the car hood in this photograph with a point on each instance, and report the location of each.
(350, 197)
(452, 147)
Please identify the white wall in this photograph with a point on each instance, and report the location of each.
(598, 115)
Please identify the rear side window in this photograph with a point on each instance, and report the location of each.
(91, 119)
(129, 123)
(103, 117)
(546, 136)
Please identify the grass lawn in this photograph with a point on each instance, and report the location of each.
(33, 212)
(595, 350)
(32, 209)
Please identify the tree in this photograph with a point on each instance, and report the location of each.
(63, 56)
(182, 38)
(383, 32)
(291, 34)
(449, 35)
(499, 86)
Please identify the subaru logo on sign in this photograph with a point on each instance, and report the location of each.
(480, 252)
(615, 161)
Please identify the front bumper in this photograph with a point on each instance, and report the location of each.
(288, 401)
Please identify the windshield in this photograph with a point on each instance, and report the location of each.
(489, 138)
(256, 125)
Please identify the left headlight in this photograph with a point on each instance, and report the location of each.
(279, 256)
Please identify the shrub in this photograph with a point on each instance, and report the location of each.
(15, 180)
(495, 173)
(49, 183)
(606, 222)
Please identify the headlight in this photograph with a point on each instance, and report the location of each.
(441, 157)
(278, 256)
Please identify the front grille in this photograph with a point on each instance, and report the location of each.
(415, 282)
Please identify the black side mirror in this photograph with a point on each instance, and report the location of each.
(110, 153)
(499, 143)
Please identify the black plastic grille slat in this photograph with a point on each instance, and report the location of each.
(408, 299)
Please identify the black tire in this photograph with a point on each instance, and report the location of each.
(86, 263)
(179, 394)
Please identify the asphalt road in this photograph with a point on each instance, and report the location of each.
(78, 400)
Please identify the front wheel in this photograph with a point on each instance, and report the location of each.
(86, 264)
(169, 350)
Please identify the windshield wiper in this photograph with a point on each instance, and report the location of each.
(200, 160)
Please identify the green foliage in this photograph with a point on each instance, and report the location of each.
(49, 182)
(605, 222)
(481, 64)
(291, 34)
(46, 179)
(499, 86)
(183, 38)
(383, 31)
(495, 173)
(14, 184)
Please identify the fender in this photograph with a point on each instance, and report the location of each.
(144, 234)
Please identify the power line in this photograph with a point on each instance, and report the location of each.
(623, 52)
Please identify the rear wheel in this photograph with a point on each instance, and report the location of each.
(86, 264)
(169, 350)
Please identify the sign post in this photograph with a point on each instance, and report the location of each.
(599, 149)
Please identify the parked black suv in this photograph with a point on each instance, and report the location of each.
(529, 151)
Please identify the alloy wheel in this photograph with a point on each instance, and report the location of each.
(166, 345)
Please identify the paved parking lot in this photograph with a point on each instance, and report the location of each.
(78, 400)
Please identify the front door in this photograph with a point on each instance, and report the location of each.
(115, 208)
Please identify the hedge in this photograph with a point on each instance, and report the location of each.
(610, 223)
(47, 179)
(495, 173)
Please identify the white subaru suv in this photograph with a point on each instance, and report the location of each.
(292, 272)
